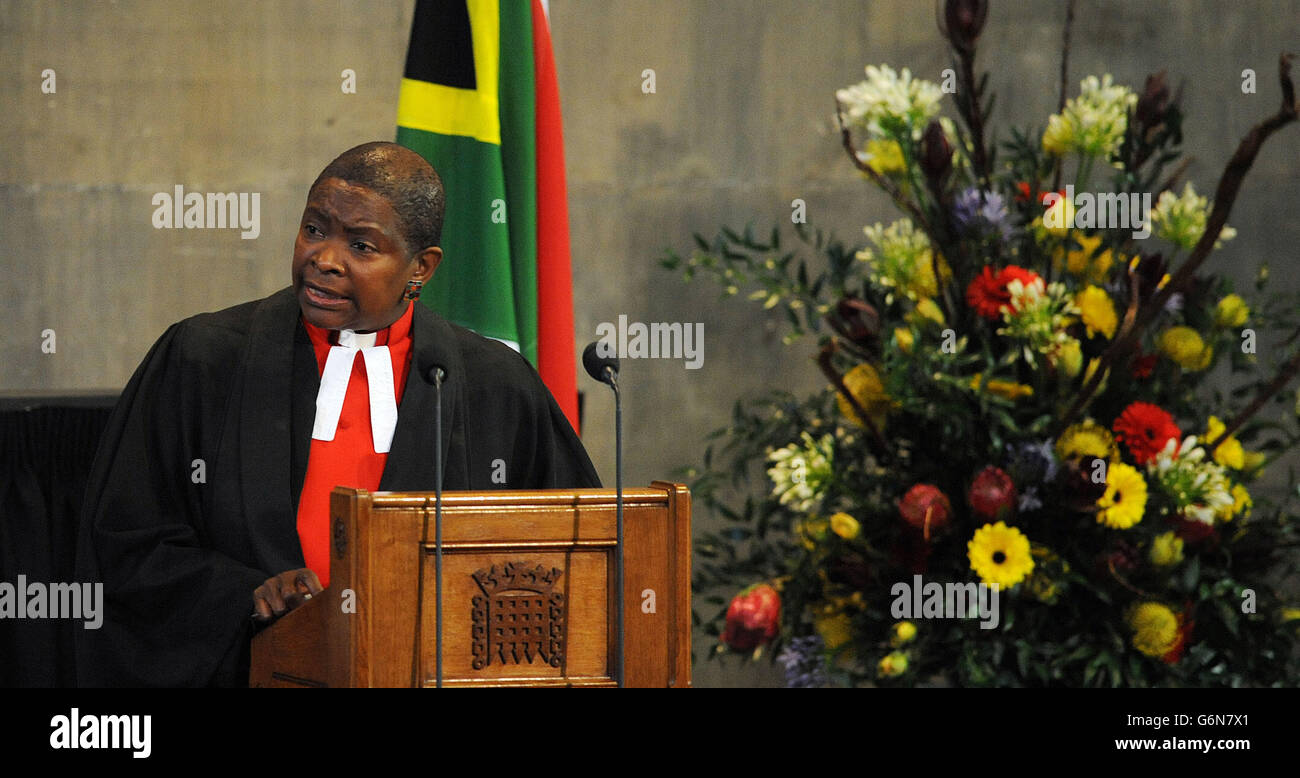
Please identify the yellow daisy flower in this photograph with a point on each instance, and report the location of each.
(1229, 453)
(892, 665)
(1097, 311)
(1000, 555)
(845, 526)
(1085, 440)
(1125, 499)
(904, 338)
(902, 633)
(1185, 346)
(1231, 311)
(1155, 628)
(864, 383)
(1166, 550)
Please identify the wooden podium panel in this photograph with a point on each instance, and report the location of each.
(528, 597)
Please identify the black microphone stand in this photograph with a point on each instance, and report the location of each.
(618, 485)
(437, 522)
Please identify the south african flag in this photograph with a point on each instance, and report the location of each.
(479, 100)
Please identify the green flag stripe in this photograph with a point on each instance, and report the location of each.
(472, 286)
(519, 164)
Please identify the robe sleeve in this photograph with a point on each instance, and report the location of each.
(176, 612)
(544, 441)
(561, 462)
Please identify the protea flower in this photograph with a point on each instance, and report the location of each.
(753, 618)
(926, 508)
(992, 494)
(1077, 490)
(962, 22)
(1153, 103)
(858, 321)
(936, 157)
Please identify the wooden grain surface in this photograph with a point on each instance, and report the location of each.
(386, 563)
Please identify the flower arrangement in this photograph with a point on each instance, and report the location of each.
(1017, 400)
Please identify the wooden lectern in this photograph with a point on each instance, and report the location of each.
(527, 598)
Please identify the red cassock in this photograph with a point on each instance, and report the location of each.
(350, 458)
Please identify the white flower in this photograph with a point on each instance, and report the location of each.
(1198, 487)
(800, 473)
(1180, 219)
(890, 104)
(903, 259)
(1039, 315)
(1092, 123)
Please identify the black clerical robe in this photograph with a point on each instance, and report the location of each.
(192, 500)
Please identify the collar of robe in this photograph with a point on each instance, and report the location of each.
(334, 388)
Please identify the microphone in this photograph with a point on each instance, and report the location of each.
(435, 374)
(605, 370)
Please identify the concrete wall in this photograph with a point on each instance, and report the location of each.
(246, 97)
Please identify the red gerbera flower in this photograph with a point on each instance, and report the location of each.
(988, 292)
(1145, 429)
(986, 295)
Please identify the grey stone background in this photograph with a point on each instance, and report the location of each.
(230, 96)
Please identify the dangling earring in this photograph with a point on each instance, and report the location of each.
(413, 288)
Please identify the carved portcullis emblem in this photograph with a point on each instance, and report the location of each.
(519, 616)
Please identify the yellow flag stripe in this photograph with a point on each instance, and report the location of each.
(449, 111)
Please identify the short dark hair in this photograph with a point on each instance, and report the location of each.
(402, 177)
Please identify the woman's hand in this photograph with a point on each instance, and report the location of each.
(284, 592)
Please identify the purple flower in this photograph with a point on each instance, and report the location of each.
(978, 213)
(1029, 500)
(1033, 463)
(804, 666)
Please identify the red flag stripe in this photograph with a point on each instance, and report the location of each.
(555, 345)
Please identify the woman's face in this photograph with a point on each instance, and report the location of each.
(350, 261)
